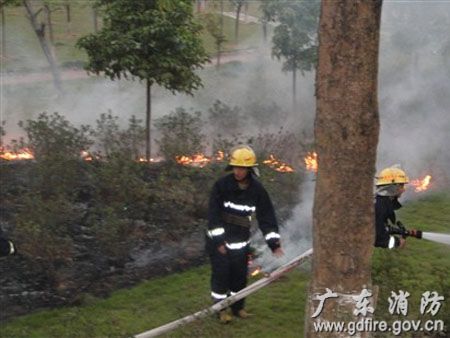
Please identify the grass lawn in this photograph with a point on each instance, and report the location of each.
(279, 308)
(23, 52)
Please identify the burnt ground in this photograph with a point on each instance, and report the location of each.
(31, 282)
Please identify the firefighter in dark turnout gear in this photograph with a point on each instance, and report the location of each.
(235, 199)
(389, 187)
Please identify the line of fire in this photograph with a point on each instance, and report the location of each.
(201, 160)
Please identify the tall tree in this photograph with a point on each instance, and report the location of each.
(155, 41)
(346, 137)
(295, 38)
(39, 29)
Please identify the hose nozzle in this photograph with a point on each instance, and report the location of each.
(414, 233)
(401, 230)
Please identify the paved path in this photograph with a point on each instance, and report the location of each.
(244, 55)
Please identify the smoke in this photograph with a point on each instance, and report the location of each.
(296, 235)
(413, 89)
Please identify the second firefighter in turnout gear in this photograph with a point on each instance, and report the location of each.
(235, 199)
(390, 185)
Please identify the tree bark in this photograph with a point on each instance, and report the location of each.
(346, 136)
(40, 33)
(148, 123)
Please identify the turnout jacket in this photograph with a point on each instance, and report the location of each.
(228, 199)
(385, 207)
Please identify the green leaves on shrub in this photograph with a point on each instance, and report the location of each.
(181, 134)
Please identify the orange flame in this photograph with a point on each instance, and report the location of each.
(22, 154)
(197, 160)
(278, 165)
(311, 162)
(421, 184)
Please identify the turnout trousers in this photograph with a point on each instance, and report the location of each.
(229, 275)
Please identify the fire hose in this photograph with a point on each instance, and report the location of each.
(400, 229)
(274, 275)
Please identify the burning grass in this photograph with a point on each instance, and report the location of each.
(311, 162)
(22, 154)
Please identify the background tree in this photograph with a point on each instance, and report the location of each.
(155, 41)
(214, 26)
(95, 17)
(266, 8)
(39, 29)
(346, 136)
(3, 4)
(49, 6)
(238, 4)
(295, 38)
(68, 15)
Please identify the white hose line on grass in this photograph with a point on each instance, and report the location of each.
(230, 300)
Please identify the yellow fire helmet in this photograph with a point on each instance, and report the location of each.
(392, 175)
(242, 156)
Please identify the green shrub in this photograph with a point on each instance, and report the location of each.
(53, 137)
(43, 228)
(112, 141)
(181, 134)
(226, 125)
(112, 233)
(119, 185)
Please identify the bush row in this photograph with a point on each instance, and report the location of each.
(115, 198)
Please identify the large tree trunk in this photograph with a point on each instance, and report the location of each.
(148, 115)
(346, 136)
(40, 33)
